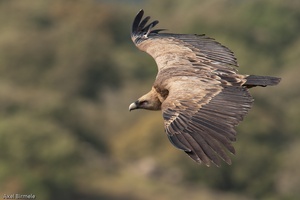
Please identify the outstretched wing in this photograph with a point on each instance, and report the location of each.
(200, 119)
(177, 50)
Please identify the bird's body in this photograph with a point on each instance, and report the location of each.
(198, 89)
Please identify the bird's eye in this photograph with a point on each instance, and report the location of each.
(143, 102)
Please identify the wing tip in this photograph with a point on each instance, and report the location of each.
(139, 27)
(136, 21)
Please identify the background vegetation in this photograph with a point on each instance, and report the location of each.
(68, 71)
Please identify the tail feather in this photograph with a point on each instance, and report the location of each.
(263, 81)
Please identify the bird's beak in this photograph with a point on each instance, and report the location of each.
(132, 106)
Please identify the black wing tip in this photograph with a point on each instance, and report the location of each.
(141, 11)
(139, 27)
(137, 20)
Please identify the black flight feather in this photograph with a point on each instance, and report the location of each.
(139, 27)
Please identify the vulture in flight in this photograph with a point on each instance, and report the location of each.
(198, 90)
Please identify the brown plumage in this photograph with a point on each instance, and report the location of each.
(197, 87)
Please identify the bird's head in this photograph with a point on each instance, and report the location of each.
(149, 102)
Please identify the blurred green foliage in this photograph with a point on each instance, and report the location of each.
(68, 71)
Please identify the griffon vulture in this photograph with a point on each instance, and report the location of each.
(198, 90)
